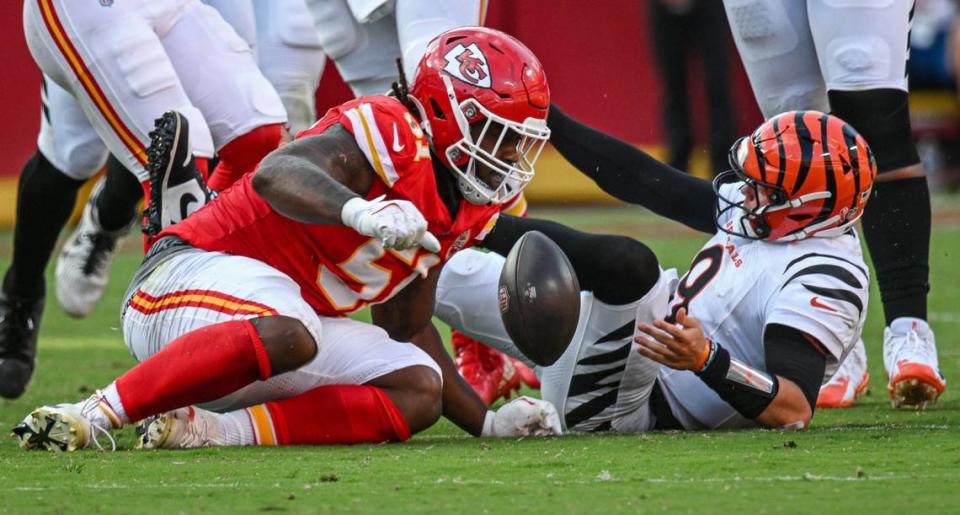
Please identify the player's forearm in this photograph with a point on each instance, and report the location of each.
(769, 399)
(789, 409)
(631, 175)
(461, 405)
(299, 189)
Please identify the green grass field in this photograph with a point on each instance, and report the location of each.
(866, 459)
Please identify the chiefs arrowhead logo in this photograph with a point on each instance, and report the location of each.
(468, 64)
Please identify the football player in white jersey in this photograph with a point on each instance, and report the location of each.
(849, 58)
(769, 308)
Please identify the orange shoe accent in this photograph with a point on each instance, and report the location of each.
(915, 385)
(832, 396)
(920, 372)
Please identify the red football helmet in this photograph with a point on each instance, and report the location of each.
(474, 75)
(800, 174)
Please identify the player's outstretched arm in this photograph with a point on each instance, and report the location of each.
(617, 269)
(784, 396)
(631, 175)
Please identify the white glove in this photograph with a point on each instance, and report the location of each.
(398, 224)
(523, 416)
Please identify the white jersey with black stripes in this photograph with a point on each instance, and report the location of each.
(736, 287)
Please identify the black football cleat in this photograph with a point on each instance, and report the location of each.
(19, 324)
(176, 186)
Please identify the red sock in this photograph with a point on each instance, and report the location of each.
(330, 415)
(242, 155)
(200, 366)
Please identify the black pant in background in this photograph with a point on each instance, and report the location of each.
(675, 35)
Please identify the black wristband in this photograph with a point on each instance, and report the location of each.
(747, 390)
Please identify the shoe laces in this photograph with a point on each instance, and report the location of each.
(915, 345)
(88, 411)
(102, 245)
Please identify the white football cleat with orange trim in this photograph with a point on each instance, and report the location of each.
(183, 428)
(848, 383)
(910, 358)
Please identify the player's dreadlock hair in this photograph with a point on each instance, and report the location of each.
(402, 91)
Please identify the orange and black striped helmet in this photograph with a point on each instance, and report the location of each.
(812, 172)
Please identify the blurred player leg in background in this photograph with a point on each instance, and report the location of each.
(867, 86)
(245, 115)
(240, 15)
(679, 28)
(83, 265)
(419, 21)
(226, 53)
(117, 62)
(669, 37)
(290, 56)
(68, 153)
(364, 48)
(858, 71)
(121, 92)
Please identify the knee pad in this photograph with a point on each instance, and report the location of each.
(244, 153)
(882, 117)
(803, 95)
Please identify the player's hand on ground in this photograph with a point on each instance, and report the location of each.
(398, 224)
(681, 346)
(523, 416)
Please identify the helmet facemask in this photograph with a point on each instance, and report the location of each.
(499, 180)
(761, 207)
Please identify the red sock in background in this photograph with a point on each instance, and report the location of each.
(242, 155)
(330, 415)
(200, 366)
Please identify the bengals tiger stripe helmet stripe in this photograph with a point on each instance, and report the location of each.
(812, 171)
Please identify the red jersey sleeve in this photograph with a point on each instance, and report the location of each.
(388, 135)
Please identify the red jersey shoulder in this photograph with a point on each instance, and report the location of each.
(385, 131)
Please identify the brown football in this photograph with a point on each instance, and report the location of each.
(539, 298)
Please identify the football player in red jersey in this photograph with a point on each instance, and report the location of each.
(246, 300)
